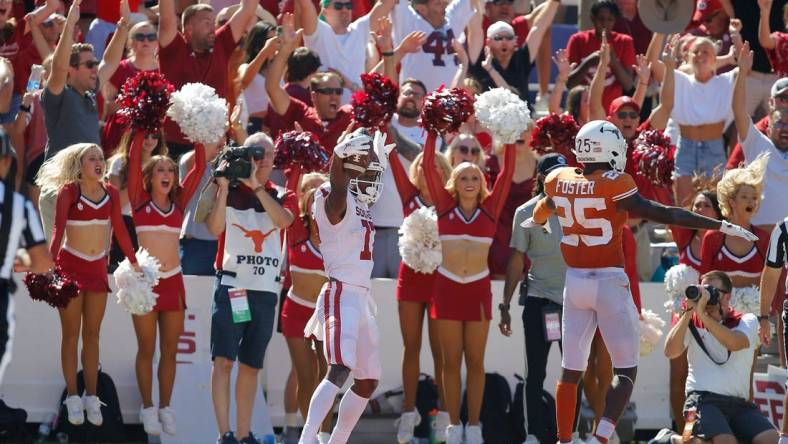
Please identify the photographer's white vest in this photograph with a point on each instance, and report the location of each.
(252, 251)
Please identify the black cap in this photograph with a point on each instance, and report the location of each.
(5, 144)
(549, 162)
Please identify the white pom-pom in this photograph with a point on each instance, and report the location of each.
(677, 279)
(135, 290)
(503, 113)
(746, 299)
(650, 331)
(419, 244)
(199, 112)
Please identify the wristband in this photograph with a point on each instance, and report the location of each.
(503, 306)
(763, 317)
(24, 108)
(387, 53)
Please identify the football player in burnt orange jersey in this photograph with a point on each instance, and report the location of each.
(592, 205)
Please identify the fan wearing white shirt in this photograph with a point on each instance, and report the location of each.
(435, 64)
(340, 43)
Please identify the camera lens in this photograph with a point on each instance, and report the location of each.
(692, 292)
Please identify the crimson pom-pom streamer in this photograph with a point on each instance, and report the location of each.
(654, 158)
(37, 286)
(300, 148)
(144, 100)
(446, 109)
(62, 290)
(374, 106)
(555, 133)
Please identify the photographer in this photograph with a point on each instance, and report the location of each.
(247, 215)
(720, 343)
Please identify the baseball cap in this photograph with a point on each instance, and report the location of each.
(621, 102)
(499, 27)
(5, 144)
(779, 87)
(705, 8)
(549, 162)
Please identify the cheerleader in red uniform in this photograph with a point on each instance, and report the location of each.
(158, 202)
(467, 219)
(87, 211)
(307, 277)
(414, 296)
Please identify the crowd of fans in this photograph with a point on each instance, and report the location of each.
(719, 91)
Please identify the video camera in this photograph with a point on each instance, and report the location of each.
(237, 163)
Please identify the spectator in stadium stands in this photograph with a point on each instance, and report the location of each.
(198, 244)
(761, 76)
(340, 42)
(720, 344)
(583, 50)
(629, 23)
(511, 60)
(774, 43)
(503, 11)
(577, 99)
(715, 24)
(259, 48)
(301, 65)
(108, 12)
(540, 293)
(142, 56)
(774, 206)
(434, 63)
(327, 119)
(200, 53)
(777, 101)
(256, 209)
(466, 148)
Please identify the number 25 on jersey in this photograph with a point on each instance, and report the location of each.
(575, 222)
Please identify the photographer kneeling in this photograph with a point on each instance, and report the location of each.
(248, 212)
(720, 344)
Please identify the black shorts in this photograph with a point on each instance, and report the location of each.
(726, 415)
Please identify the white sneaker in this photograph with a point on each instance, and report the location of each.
(323, 437)
(440, 425)
(76, 410)
(93, 408)
(473, 434)
(405, 425)
(531, 439)
(167, 419)
(150, 420)
(454, 434)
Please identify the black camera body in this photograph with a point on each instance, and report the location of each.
(693, 293)
(237, 163)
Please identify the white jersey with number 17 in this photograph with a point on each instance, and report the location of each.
(346, 246)
(435, 64)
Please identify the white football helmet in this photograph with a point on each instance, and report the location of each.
(368, 187)
(599, 141)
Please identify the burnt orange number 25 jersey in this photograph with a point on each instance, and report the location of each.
(586, 208)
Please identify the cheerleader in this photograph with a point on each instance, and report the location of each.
(307, 277)
(414, 297)
(86, 212)
(467, 219)
(158, 202)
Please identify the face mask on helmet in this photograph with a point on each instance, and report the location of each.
(368, 188)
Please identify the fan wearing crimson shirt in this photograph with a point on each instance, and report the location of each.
(199, 53)
(583, 49)
(327, 119)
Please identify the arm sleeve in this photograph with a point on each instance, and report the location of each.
(192, 180)
(460, 12)
(520, 236)
(33, 233)
(627, 54)
(404, 187)
(682, 236)
(708, 248)
(65, 196)
(137, 194)
(292, 177)
(119, 227)
(443, 200)
(573, 49)
(503, 183)
(775, 258)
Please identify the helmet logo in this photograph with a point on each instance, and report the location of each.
(603, 129)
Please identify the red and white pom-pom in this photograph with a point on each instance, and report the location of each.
(61, 290)
(650, 331)
(144, 99)
(37, 286)
(503, 113)
(555, 133)
(135, 290)
(199, 112)
(677, 279)
(375, 105)
(654, 157)
(419, 243)
(445, 110)
(300, 148)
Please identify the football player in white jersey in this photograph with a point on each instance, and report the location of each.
(343, 318)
